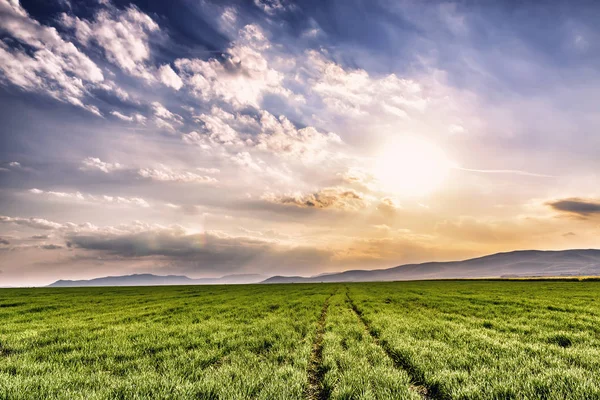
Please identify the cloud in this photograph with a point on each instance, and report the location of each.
(166, 174)
(199, 252)
(12, 166)
(51, 247)
(169, 78)
(271, 7)
(95, 199)
(241, 78)
(279, 136)
(160, 173)
(388, 206)
(123, 35)
(4, 241)
(164, 118)
(139, 118)
(263, 133)
(506, 171)
(208, 170)
(35, 223)
(354, 92)
(328, 198)
(224, 128)
(576, 206)
(92, 163)
(54, 66)
(75, 195)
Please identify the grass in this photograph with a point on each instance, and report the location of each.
(399, 340)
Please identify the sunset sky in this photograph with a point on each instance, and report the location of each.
(208, 138)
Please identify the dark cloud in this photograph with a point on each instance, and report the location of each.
(51, 247)
(336, 198)
(569, 234)
(580, 207)
(4, 241)
(202, 252)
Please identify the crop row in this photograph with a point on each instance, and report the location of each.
(402, 340)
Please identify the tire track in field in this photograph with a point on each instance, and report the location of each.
(417, 383)
(315, 389)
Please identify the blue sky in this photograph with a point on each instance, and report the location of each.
(275, 137)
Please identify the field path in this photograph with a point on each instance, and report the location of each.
(315, 389)
(417, 384)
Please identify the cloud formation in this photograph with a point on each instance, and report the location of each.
(35, 223)
(93, 163)
(327, 198)
(123, 35)
(98, 199)
(576, 206)
(54, 67)
(241, 78)
(166, 174)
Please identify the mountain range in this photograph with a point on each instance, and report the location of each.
(158, 280)
(523, 263)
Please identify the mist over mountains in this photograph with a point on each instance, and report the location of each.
(525, 263)
(157, 280)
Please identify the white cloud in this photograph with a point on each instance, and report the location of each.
(139, 118)
(228, 19)
(208, 170)
(122, 117)
(244, 159)
(54, 66)
(122, 34)
(166, 174)
(92, 163)
(169, 78)
(264, 133)
(98, 199)
(112, 87)
(223, 127)
(271, 7)
(35, 223)
(279, 136)
(241, 79)
(355, 92)
(164, 118)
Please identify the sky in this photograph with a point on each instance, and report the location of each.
(208, 138)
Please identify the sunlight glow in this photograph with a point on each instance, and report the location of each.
(411, 166)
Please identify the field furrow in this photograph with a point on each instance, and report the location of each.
(487, 340)
(417, 385)
(315, 389)
(356, 367)
(163, 342)
(397, 340)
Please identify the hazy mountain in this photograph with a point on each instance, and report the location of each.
(526, 263)
(157, 280)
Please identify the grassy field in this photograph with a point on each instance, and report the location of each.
(400, 340)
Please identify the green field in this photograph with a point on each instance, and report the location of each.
(399, 340)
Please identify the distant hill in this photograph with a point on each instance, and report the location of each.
(526, 263)
(158, 280)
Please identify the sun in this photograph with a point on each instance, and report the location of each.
(411, 166)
